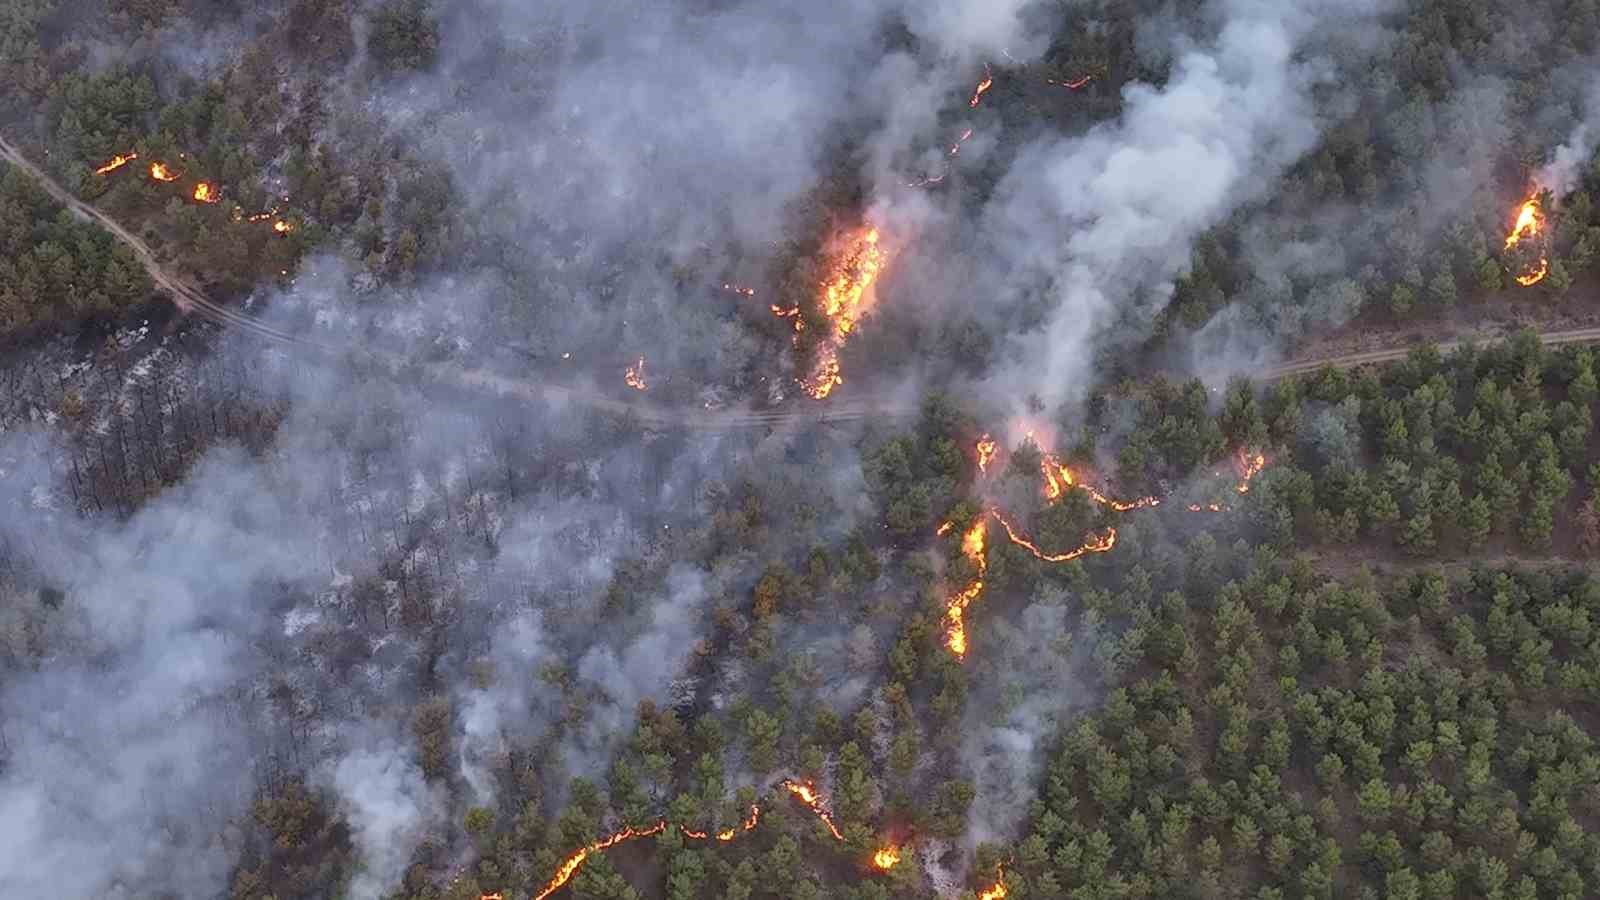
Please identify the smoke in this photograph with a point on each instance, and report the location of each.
(1089, 224)
(1566, 166)
(388, 806)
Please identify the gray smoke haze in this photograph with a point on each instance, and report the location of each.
(1561, 174)
(1091, 222)
(600, 147)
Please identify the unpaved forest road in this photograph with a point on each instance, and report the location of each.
(189, 299)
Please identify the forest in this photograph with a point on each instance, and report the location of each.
(736, 450)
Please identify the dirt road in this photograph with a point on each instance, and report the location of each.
(191, 300)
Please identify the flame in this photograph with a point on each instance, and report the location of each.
(995, 893)
(204, 193)
(845, 299)
(886, 858)
(574, 862)
(813, 801)
(1057, 478)
(1529, 226)
(282, 226)
(955, 611)
(495, 896)
(1073, 84)
(1095, 544)
(161, 173)
(740, 290)
(116, 163)
(634, 376)
(727, 834)
(984, 85)
(258, 217)
(987, 448)
(956, 147)
(945, 528)
(1249, 466)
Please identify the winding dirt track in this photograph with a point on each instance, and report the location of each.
(190, 299)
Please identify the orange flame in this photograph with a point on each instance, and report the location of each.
(727, 834)
(116, 163)
(1099, 544)
(984, 85)
(161, 173)
(1057, 478)
(998, 892)
(204, 193)
(634, 376)
(813, 801)
(1249, 466)
(494, 896)
(282, 226)
(955, 611)
(887, 858)
(1529, 226)
(574, 862)
(845, 300)
(1073, 84)
(987, 448)
(738, 289)
(956, 147)
(945, 528)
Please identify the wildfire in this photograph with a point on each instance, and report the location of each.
(1249, 466)
(813, 801)
(574, 862)
(740, 290)
(1057, 478)
(725, 835)
(792, 312)
(116, 163)
(945, 528)
(1095, 544)
(886, 858)
(845, 299)
(995, 893)
(283, 226)
(495, 896)
(204, 193)
(160, 172)
(984, 85)
(1073, 84)
(955, 612)
(987, 448)
(1530, 265)
(956, 147)
(634, 376)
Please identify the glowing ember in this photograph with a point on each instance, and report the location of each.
(116, 163)
(205, 194)
(1099, 544)
(574, 862)
(282, 226)
(886, 858)
(161, 173)
(261, 217)
(987, 448)
(813, 801)
(1527, 245)
(956, 147)
(825, 376)
(742, 291)
(945, 528)
(984, 85)
(491, 897)
(955, 610)
(1073, 84)
(634, 376)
